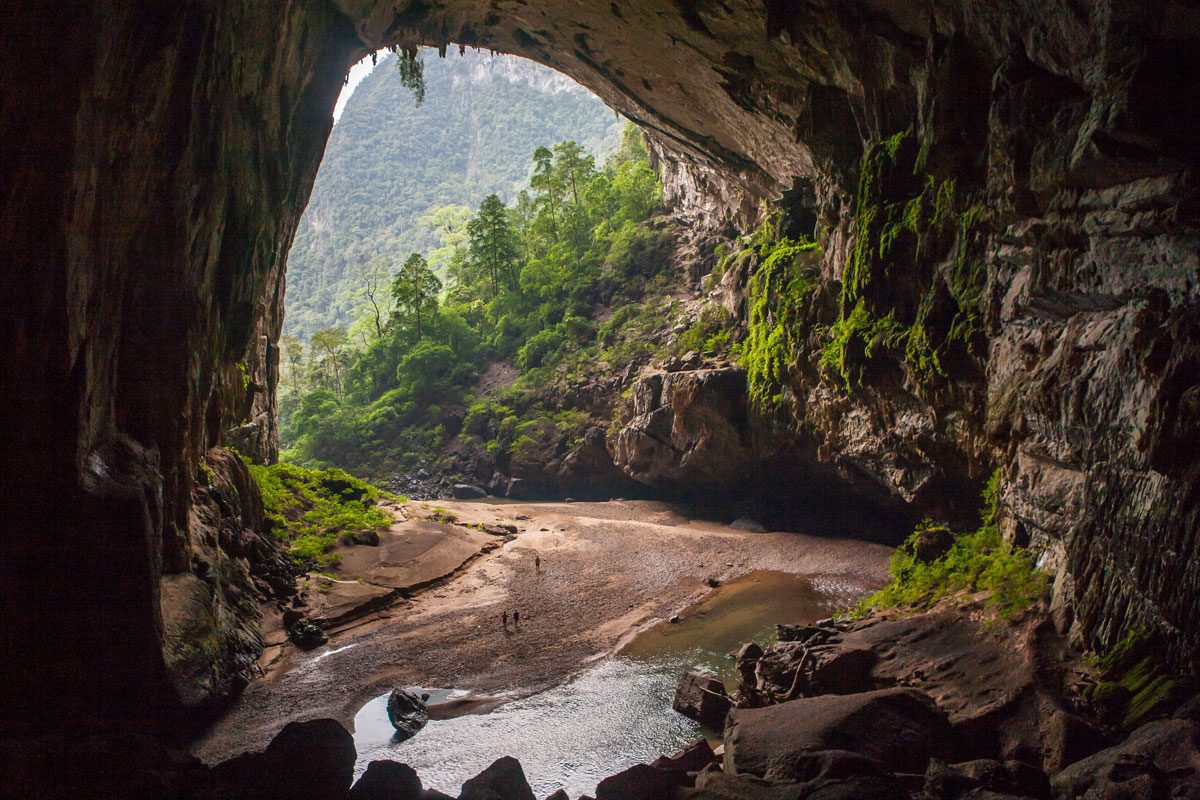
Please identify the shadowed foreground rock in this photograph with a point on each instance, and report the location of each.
(503, 780)
(901, 729)
(387, 780)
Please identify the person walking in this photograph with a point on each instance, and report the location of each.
(504, 619)
(517, 619)
(537, 564)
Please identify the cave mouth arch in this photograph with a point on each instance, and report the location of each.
(157, 160)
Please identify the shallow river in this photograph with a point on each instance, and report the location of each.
(609, 717)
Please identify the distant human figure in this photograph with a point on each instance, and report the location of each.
(537, 564)
(504, 619)
(517, 618)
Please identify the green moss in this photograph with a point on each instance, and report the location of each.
(777, 324)
(905, 224)
(979, 561)
(311, 509)
(1134, 681)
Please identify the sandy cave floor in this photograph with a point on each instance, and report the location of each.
(608, 570)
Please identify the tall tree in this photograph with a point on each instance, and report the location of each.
(492, 245)
(329, 344)
(415, 288)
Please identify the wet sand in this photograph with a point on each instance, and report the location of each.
(608, 570)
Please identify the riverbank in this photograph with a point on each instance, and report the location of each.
(607, 570)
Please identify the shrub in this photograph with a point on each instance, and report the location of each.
(311, 509)
(980, 561)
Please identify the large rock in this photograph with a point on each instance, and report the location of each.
(688, 429)
(467, 491)
(503, 780)
(827, 775)
(1159, 759)
(899, 728)
(387, 780)
(307, 761)
(407, 713)
(702, 696)
(642, 782)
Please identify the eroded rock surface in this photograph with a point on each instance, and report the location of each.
(157, 159)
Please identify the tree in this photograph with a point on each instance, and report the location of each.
(329, 343)
(415, 288)
(492, 245)
(547, 184)
(372, 275)
(293, 354)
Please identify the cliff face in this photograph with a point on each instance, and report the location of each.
(155, 166)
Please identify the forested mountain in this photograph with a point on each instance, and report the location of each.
(391, 162)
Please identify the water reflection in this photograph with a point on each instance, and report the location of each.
(611, 716)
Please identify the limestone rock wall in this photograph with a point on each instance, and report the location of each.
(156, 157)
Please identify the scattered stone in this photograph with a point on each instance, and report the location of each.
(747, 524)
(407, 713)
(500, 529)
(467, 491)
(712, 582)
(366, 538)
(503, 780)
(387, 780)
(1010, 778)
(702, 697)
(900, 728)
(673, 619)
(307, 635)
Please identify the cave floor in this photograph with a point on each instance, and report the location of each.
(608, 570)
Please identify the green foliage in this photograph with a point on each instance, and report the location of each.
(905, 223)
(411, 67)
(414, 290)
(523, 285)
(390, 165)
(980, 561)
(777, 320)
(312, 509)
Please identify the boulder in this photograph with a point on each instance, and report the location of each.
(387, 780)
(1159, 759)
(702, 696)
(1067, 738)
(519, 489)
(931, 543)
(900, 728)
(407, 713)
(1013, 778)
(503, 780)
(311, 760)
(642, 782)
(467, 491)
(307, 635)
(559, 794)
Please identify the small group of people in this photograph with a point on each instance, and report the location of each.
(516, 615)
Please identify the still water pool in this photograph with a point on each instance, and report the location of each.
(609, 717)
